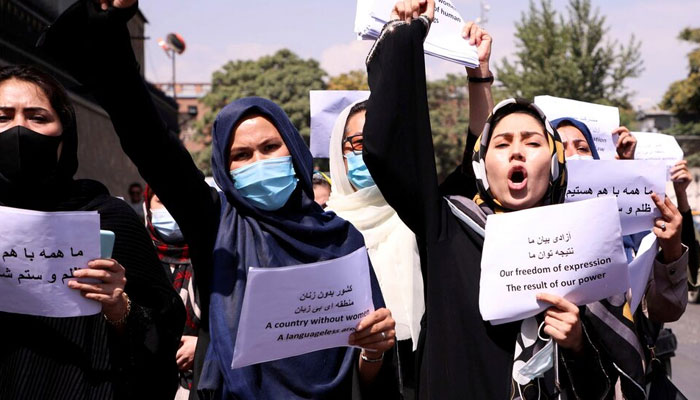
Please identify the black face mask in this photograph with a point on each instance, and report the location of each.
(27, 157)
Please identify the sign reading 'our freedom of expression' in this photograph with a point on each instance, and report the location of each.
(39, 252)
(576, 254)
(299, 309)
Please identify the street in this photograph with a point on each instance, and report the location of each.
(686, 363)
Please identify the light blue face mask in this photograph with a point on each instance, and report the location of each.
(267, 183)
(540, 363)
(358, 174)
(165, 225)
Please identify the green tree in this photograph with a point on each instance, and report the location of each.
(570, 57)
(448, 101)
(683, 97)
(283, 77)
(353, 80)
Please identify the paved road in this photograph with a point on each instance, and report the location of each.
(686, 363)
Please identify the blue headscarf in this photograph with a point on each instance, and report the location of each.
(581, 127)
(298, 233)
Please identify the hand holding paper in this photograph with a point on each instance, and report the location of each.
(103, 280)
(626, 143)
(668, 229)
(411, 9)
(444, 40)
(477, 36)
(375, 333)
(562, 322)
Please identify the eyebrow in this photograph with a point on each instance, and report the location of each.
(31, 109)
(522, 133)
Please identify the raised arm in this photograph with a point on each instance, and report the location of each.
(462, 180)
(94, 45)
(480, 79)
(398, 146)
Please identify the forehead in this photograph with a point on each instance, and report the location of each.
(252, 129)
(15, 92)
(570, 133)
(518, 122)
(356, 122)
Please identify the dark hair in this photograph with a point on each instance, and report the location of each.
(52, 89)
(135, 184)
(361, 106)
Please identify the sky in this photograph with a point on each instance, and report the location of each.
(217, 31)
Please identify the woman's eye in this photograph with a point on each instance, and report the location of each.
(272, 147)
(4, 118)
(39, 118)
(239, 156)
(583, 149)
(534, 144)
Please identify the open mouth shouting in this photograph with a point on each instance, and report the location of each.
(517, 178)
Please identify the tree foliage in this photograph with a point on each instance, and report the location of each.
(570, 57)
(683, 97)
(282, 77)
(286, 79)
(448, 101)
(353, 80)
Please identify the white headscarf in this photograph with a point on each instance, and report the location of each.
(391, 245)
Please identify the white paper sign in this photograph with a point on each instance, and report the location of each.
(657, 146)
(444, 39)
(570, 250)
(326, 105)
(600, 120)
(631, 181)
(40, 251)
(641, 268)
(300, 309)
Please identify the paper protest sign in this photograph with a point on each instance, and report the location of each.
(299, 309)
(657, 146)
(326, 105)
(444, 38)
(40, 251)
(576, 253)
(641, 269)
(600, 120)
(631, 181)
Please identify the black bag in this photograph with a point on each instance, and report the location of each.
(659, 343)
(659, 386)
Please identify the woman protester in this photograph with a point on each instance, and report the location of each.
(128, 350)
(174, 256)
(519, 164)
(392, 245)
(265, 216)
(625, 338)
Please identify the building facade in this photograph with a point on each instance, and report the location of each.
(99, 152)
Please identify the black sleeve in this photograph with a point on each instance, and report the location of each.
(586, 375)
(688, 239)
(146, 359)
(398, 146)
(462, 181)
(95, 47)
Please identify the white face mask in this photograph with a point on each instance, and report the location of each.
(165, 225)
(578, 157)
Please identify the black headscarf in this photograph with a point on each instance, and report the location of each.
(54, 188)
